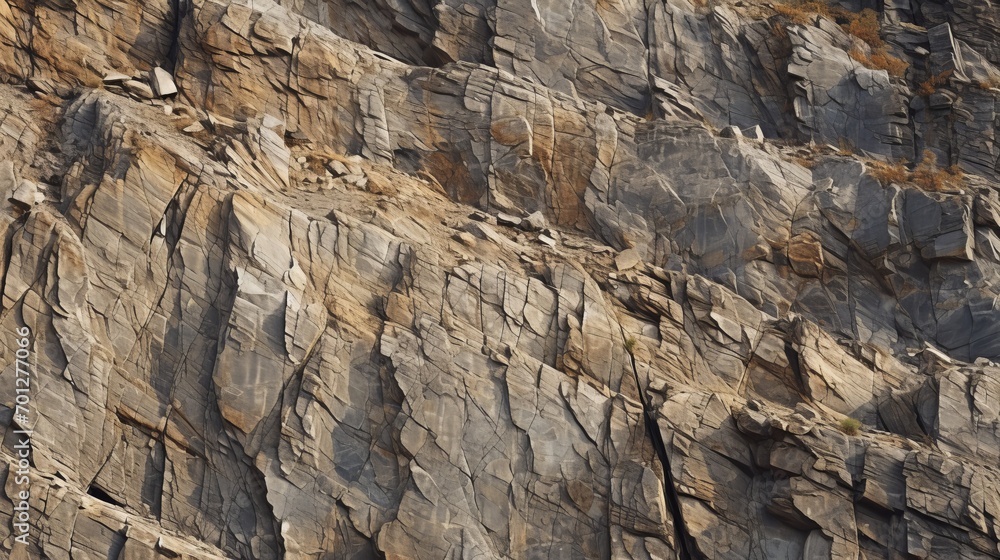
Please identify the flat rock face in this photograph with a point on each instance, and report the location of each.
(498, 279)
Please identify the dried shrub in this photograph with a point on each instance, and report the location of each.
(630, 344)
(806, 162)
(889, 173)
(865, 26)
(930, 177)
(804, 12)
(845, 148)
(929, 86)
(779, 43)
(879, 59)
(991, 83)
(927, 175)
(956, 173)
(779, 31)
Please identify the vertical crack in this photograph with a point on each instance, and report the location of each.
(688, 548)
(180, 10)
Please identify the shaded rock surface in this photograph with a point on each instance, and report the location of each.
(498, 279)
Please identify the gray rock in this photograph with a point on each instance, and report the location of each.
(26, 195)
(161, 82)
(534, 222)
(627, 259)
(731, 132)
(116, 78)
(508, 220)
(139, 89)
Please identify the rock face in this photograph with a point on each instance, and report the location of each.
(499, 279)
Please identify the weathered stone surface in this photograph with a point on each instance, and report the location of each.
(498, 279)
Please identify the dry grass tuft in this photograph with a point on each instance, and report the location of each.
(991, 83)
(865, 26)
(889, 173)
(845, 148)
(927, 175)
(850, 426)
(930, 177)
(806, 162)
(879, 59)
(630, 344)
(804, 12)
(930, 86)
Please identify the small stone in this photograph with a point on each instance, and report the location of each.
(627, 259)
(465, 238)
(731, 132)
(116, 78)
(355, 179)
(337, 168)
(194, 128)
(546, 240)
(534, 222)
(940, 100)
(139, 89)
(162, 82)
(508, 220)
(26, 195)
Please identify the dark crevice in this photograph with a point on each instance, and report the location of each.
(688, 548)
(181, 8)
(30, 47)
(793, 362)
(96, 492)
(684, 538)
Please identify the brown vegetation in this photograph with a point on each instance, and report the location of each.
(889, 173)
(879, 59)
(863, 25)
(845, 148)
(927, 175)
(804, 12)
(929, 86)
(930, 177)
(991, 83)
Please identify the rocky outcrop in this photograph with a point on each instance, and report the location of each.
(318, 280)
